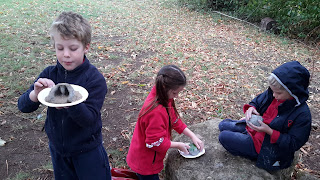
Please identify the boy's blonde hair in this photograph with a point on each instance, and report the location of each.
(71, 25)
(273, 82)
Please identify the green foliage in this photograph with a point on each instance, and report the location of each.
(221, 5)
(196, 4)
(295, 18)
(21, 176)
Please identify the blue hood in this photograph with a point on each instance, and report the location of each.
(295, 79)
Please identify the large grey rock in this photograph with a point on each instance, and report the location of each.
(216, 163)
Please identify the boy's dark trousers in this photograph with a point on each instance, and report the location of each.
(148, 177)
(235, 138)
(93, 164)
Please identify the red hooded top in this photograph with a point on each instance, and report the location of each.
(268, 117)
(151, 138)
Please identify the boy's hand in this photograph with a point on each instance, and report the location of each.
(263, 128)
(39, 85)
(251, 111)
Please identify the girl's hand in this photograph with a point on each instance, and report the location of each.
(181, 146)
(196, 141)
(251, 111)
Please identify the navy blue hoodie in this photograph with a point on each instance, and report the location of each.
(78, 128)
(293, 120)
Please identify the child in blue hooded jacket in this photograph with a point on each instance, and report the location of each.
(75, 139)
(286, 121)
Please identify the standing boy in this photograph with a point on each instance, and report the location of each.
(286, 122)
(75, 139)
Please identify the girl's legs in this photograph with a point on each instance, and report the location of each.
(148, 177)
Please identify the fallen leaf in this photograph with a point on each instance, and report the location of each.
(122, 69)
(2, 142)
(133, 55)
(3, 122)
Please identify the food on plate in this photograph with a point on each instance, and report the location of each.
(63, 93)
(193, 150)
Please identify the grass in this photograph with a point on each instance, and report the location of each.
(21, 176)
(223, 59)
(48, 166)
(26, 176)
(205, 42)
(117, 157)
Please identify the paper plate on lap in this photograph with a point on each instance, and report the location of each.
(45, 92)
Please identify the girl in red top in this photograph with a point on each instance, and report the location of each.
(158, 116)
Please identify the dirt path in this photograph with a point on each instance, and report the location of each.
(226, 63)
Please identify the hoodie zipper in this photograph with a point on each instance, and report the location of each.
(62, 122)
(154, 158)
(62, 134)
(65, 75)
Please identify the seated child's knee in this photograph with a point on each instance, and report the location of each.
(223, 136)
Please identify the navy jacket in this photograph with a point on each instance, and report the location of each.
(293, 120)
(78, 128)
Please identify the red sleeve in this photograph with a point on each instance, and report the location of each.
(176, 122)
(156, 131)
(246, 107)
(274, 137)
(179, 126)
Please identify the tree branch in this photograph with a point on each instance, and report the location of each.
(236, 19)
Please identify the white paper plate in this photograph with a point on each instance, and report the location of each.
(45, 92)
(191, 156)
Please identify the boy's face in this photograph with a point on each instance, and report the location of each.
(70, 52)
(280, 94)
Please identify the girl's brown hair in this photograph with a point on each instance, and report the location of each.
(170, 77)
